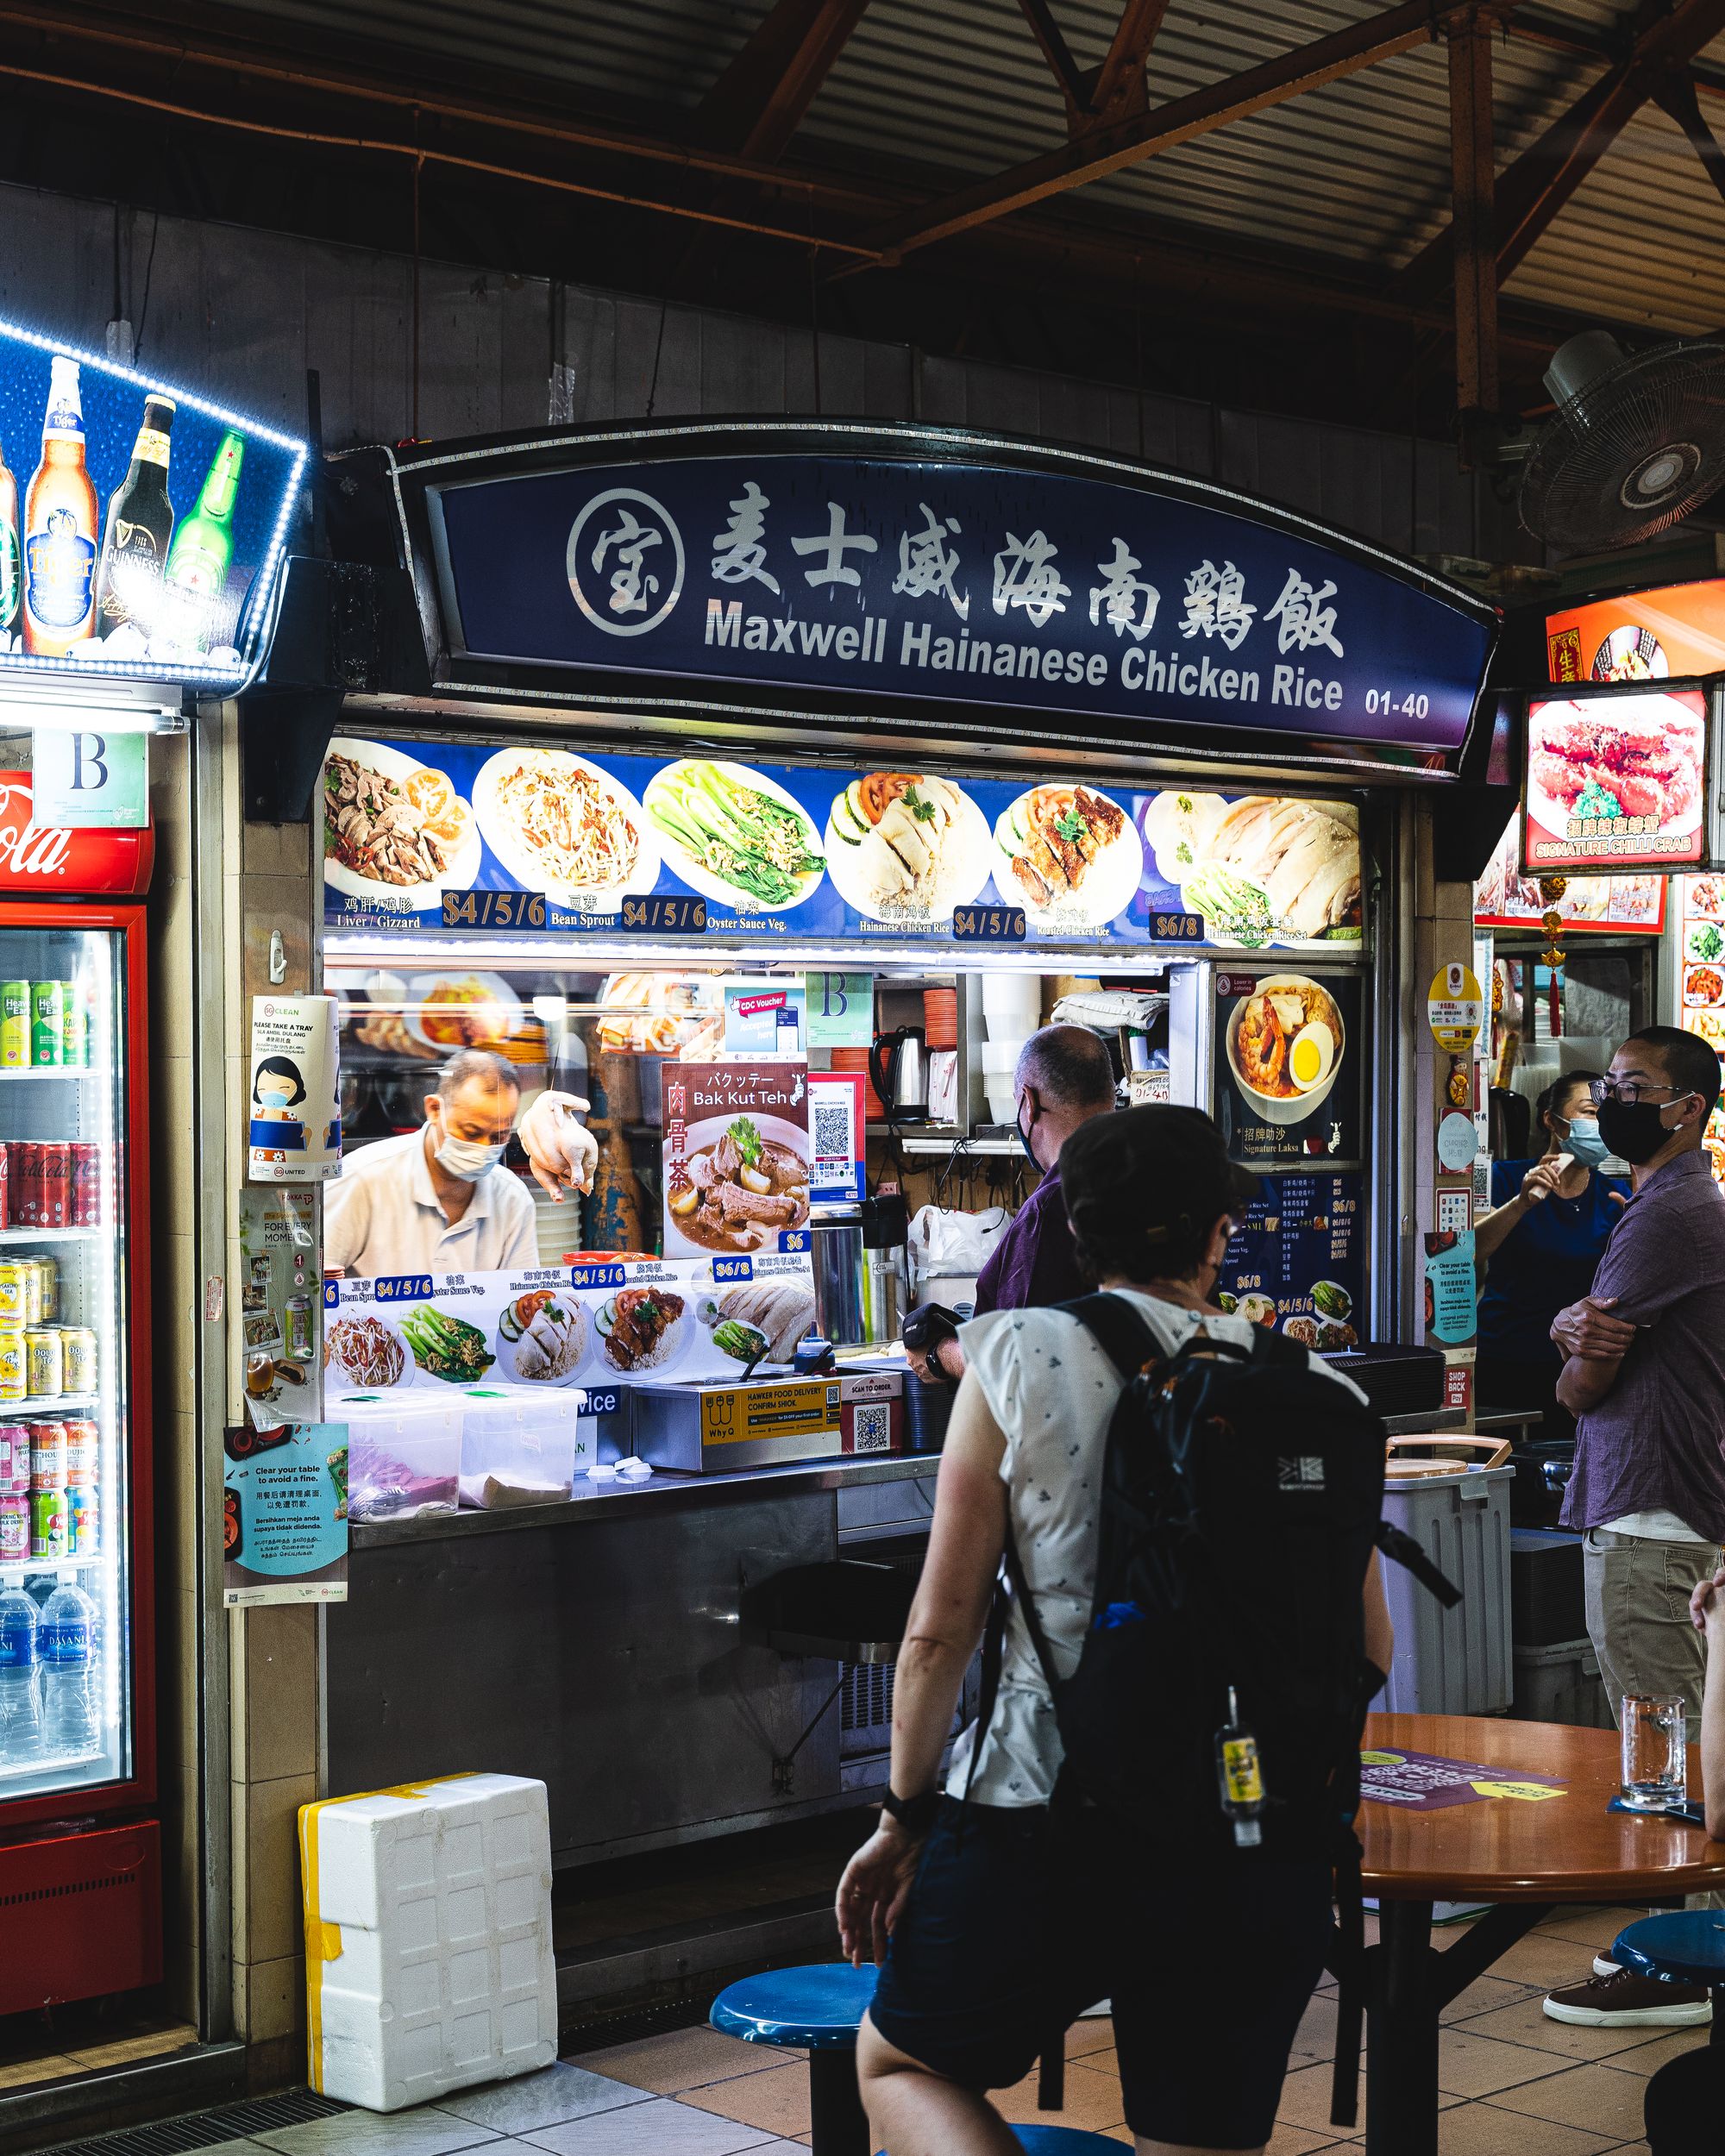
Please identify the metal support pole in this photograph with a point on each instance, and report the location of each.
(1401, 2034)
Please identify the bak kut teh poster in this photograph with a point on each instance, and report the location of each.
(736, 1158)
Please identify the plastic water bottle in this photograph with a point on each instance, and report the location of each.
(69, 1722)
(20, 1735)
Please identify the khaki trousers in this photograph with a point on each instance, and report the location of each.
(1637, 1598)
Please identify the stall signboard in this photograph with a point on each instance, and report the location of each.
(1298, 1262)
(736, 1158)
(284, 1514)
(426, 841)
(1616, 782)
(1505, 897)
(1675, 628)
(1701, 1007)
(1141, 604)
(1286, 1080)
(141, 529)
(639, 1321)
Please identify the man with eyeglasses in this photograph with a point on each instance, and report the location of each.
(1645, 1377)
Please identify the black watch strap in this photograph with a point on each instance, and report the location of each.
(916, 1814)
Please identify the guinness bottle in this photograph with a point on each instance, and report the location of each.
(140, 525)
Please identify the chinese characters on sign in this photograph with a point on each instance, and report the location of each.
(1062, 591)
(1616, 782)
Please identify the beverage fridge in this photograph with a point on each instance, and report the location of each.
(79, 1847)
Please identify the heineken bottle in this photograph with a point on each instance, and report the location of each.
(135, 546)
(204, 544)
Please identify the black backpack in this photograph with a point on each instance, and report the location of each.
(1241, 1501)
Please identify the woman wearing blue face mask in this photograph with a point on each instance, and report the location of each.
(1541, 1244)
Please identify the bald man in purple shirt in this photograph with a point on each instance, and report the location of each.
(1064, 1076)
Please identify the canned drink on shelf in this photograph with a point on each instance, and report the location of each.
(24, 1172)
(47, 1273)
(47, 1023)
(14, 1526)
(14, 1025)
(5, 1186)
(48, 1455)
(75, 1035)
(86, 1184)
(81, 1442)
(15, 1291)
(82, 1519)
(36, 1289)
(13, 1364)
(47, 1523)
(79, 1363)
(15, 1456)
(45, 1368)
(56, 1174)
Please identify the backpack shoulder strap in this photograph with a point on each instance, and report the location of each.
(1027, 1602)
(1118, 1330)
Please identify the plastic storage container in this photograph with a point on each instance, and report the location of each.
(1546, 1604)
(1450, 1661)
(404, 1455)
(1560, 1683)
(519, 1443)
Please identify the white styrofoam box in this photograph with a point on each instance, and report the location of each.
(428, 1934)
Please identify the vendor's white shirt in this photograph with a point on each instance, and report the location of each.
(1052, 1390)
(382, 1216)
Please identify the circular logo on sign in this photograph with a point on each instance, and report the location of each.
(626, 561)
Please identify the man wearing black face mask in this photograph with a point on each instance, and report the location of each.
(1064, 1077)
(1645, 1375)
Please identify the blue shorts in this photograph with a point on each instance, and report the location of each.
(1009, 1934)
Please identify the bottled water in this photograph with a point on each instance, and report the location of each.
(20, 1717)
(70, 1720)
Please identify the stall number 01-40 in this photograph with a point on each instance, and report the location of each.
(1408, 706)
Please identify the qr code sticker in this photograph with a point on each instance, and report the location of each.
(831, 1129)
(873, 1428)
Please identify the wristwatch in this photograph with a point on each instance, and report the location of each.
(916, 1814)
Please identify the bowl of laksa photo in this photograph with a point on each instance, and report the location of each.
(1285, 1047)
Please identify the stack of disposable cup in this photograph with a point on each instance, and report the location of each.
(1011, 1005)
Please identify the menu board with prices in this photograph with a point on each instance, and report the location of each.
(434, 840)
(1288, 1069)
(1616, 782)
(1298, 1261)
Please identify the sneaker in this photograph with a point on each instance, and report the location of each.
(1626, 2000)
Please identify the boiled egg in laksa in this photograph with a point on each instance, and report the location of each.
(1311, 1056)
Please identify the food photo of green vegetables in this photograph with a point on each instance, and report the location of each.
(445, 1346)
(739, 834)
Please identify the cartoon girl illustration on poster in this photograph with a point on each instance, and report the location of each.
(278, 1088)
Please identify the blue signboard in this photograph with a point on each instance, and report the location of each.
(529, 840)
(1027, 589)
(141, 525)
(1298, 1261)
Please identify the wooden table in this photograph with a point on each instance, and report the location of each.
(1526, 1858)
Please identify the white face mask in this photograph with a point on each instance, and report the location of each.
(465, 1159)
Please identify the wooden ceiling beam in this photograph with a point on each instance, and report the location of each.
(1676, 99)
(1473, 209)
(1069, 77)
(759, 100)
(1532, 191)
(1119, 90)
(1112, 149)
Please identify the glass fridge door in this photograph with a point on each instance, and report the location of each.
(66, 1688)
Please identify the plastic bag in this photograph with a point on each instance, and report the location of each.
(963, 1243)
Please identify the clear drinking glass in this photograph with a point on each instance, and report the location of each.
(1655, 1752)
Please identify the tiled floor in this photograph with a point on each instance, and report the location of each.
(1515, 2084)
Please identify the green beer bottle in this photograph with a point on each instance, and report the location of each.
(204, 544)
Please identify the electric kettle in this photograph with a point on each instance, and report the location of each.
(898, 1066)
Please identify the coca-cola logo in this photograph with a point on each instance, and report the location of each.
(34, 855)
(29, 849)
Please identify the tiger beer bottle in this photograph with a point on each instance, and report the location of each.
(60, 527)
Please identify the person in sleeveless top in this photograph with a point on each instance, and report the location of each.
(992, 1940)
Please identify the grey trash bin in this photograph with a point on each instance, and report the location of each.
(1451, 1661)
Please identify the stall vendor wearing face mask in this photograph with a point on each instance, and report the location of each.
(1541, 1244)
(434, 1200)
(1064, 1077)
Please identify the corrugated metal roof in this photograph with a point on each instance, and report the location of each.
(935, 91)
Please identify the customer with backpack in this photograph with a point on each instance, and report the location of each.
(1227, 1589)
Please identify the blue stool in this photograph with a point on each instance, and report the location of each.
(1061, 2140)
(814, 2008)
(1687, 1946)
